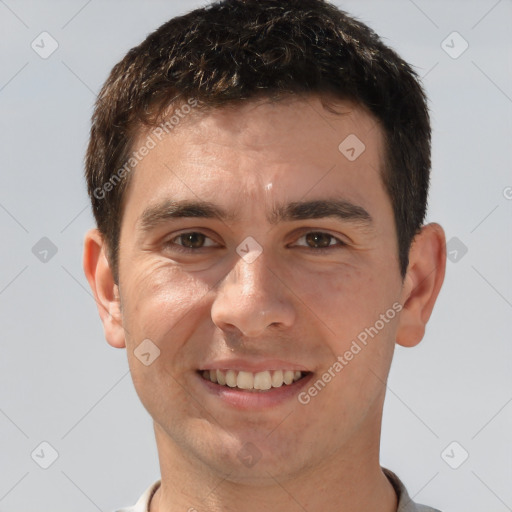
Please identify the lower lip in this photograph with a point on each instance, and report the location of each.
(250, 400)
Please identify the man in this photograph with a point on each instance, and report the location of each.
(259, 171)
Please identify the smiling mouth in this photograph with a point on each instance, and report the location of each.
(248, 381)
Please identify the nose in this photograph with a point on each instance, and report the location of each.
(251, 298)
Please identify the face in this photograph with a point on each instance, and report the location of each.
(251, 244)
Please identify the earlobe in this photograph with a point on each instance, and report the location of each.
(106, 292)
(422, 284)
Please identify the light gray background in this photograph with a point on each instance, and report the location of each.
(61, 383)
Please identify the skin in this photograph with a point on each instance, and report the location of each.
(292, 303)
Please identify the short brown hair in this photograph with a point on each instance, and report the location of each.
(238, 50)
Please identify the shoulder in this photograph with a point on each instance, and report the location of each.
(405, 502)
(142, 504)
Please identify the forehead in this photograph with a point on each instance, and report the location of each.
(261, 152)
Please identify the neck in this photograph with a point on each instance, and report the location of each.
(350, 478)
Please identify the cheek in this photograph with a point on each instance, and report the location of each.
(343, 298)
(157, 299)
(159, 303)
(349, 305)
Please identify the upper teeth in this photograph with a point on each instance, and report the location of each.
(248, 380)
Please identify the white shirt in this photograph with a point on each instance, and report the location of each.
(405, 503)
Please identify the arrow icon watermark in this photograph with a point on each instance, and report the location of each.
(456, 249)
(249, 250)
(352, 147)
(147, 352)
(44, 250)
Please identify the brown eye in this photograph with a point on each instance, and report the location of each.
(318, 240)
(192, 240)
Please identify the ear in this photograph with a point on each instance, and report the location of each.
(106, 292)
(422, 283)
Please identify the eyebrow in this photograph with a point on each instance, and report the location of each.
(342, 209)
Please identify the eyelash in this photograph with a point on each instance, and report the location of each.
(180, 248)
